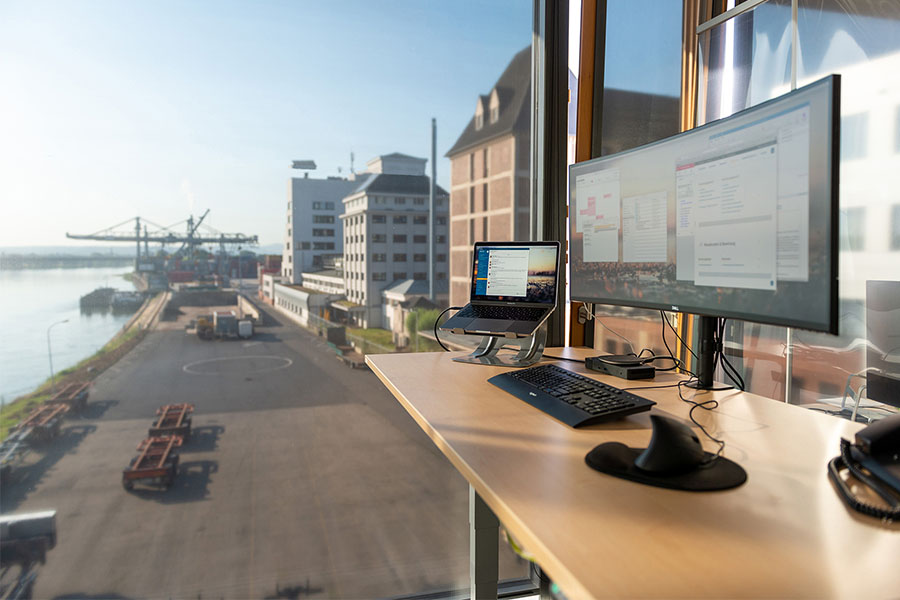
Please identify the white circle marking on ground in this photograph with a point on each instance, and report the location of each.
(285, 363)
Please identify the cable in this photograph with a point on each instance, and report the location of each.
(607, 327)
(668, 349)
(575, 360)
(710, 404)
(675, 331)
(438, 320)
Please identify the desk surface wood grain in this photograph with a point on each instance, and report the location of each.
(784, 533)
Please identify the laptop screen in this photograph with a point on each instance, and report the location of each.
(515, 272)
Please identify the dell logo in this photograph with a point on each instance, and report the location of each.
(675, 309)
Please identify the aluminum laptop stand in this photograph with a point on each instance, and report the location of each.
(525, 351)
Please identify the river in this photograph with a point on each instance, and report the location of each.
(32, 300)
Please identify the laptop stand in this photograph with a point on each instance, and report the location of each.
(524, 351)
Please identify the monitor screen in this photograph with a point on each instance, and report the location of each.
(515, 272)
(736, 218)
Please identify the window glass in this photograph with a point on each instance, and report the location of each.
(252, 141)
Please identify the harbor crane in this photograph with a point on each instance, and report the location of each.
(166, 235)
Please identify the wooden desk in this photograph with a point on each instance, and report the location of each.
(785, 533)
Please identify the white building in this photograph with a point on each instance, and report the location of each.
(313, 229)
(386, 231)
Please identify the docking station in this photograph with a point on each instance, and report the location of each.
(634, 369)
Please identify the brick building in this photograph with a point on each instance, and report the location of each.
(490, 173)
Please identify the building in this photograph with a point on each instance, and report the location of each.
(312, 231)
(489, 172)
(386, 229)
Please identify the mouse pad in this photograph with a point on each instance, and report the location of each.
(617, 460)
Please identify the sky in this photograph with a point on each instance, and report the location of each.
(114, 109)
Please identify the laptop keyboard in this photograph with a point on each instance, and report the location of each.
(511, 313)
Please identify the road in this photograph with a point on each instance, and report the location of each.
(304, 478)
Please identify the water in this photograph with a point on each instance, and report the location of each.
(31, 301)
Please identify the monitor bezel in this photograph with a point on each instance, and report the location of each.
(833, 159)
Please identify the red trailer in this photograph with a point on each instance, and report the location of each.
(74, 395)
(173, 419)
(44, 421)
(157, 462)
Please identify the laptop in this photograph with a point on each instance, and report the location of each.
(514, 288)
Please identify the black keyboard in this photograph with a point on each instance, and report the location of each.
(509, 313)
(574, 399)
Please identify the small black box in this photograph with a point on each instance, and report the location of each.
(596, 363)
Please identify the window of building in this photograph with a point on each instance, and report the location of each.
(419, 276)
(419, 201)
(288, 245)
(441, 220)
(854, 136)
(441, 257)
(399, 219)
(471, 199)
(441, 239)
(442, 275)
(420, 257)
(479, 121)
(484, 153)
(399, 200)
(399, 257)
(379, 257)
(323, 218)
(379, 276)
(329, 206)
(323, 232)
(379, 238)
(472, 165)
(420, 220)
(420, 239)
(304, 245)
(323, 245)
(471, 231)
(317, 205)
(399, 238)
(438, 201)
(377, 219)
(495, 114)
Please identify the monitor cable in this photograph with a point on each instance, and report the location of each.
(438, 320)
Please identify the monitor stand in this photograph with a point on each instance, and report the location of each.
(707, 356)
(525, 351)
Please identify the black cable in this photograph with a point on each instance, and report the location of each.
(575, 360)
(436, 321)
(675, 331)
(710, 404)
(727, 367)
(662, 317)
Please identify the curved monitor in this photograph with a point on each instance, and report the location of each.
(737, 218)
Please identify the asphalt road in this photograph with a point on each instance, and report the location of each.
(304, 478)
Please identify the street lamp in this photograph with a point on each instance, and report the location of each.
(50, 354)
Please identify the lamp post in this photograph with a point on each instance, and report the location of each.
(50, 354)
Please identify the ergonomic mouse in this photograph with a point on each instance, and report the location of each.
(674, 448)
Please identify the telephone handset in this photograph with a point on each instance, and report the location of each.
(873, 460)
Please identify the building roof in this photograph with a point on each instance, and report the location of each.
(415, 287)
(385, 183)
(514, 91)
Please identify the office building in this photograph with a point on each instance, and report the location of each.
(489, 172)
(386, 232)
(313, 229)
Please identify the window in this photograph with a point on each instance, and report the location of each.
(854, 136)
(484, 197)
(484, 153)
(399, 219)
(895, 227)
(323, 232)
(472, 164)
(323, 245)
(420, 239)
(420, 257)
(399, 238)
(323, 218)
(289, 231)
(484, 228)
(304, 245)
(288, 245)
(495, 114)
(419, 276)
(420, 220)
(399, 275)
(441, 275)
(399, 200)
(379, 238)
(441, 239)
(471, 199)
(479, 121)
(379, 276)
(329, 206)
(399, 257)
(317, 205)
(419, 201)
(441, 258)
(441, 220)
(379, 219)
(377, 257)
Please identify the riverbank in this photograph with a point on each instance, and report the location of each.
(91, 367)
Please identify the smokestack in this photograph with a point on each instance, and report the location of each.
(431, 228)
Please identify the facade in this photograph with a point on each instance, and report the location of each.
(490, 173)
(301, 304)
(328, 281)
(398, 297)
(386, 229)
(267, 283)
(313, 229)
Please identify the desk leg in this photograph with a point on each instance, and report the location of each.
(484, 534)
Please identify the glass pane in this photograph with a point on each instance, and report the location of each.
(303, 476)
(861, 41)
(642, 87)
(747, 60)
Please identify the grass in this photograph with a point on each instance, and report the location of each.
(382, 337)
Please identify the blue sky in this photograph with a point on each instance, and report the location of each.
(114, 109)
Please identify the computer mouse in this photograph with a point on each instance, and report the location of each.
(674, 448)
